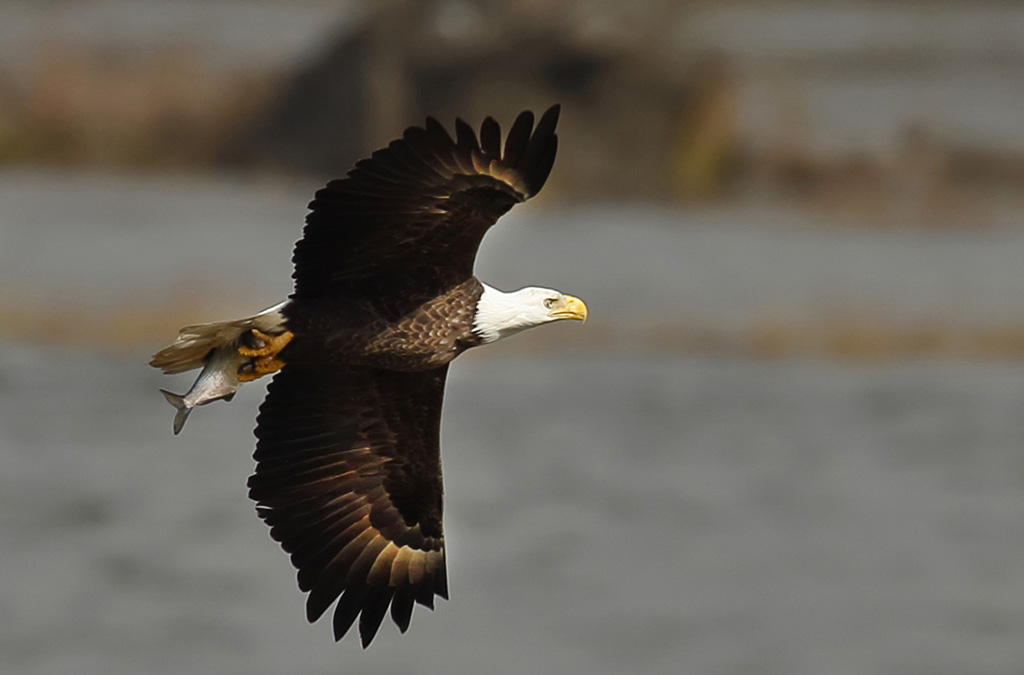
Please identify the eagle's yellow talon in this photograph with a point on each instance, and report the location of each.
(246, 372)
(258, 367)
(267, 365)
(263, 357)
(270, 344)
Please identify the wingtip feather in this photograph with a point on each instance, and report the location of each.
(348, 609)
(375, 608)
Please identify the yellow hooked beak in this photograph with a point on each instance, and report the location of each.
(569, 307)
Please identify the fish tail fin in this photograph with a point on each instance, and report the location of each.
(183, 410)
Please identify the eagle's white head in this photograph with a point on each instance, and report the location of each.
(500, 314)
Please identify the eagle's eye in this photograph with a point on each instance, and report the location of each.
(549, 302)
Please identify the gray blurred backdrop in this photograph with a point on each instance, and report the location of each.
(788, 441)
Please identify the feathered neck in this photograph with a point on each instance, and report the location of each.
(500, 314)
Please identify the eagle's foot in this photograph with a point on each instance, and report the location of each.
(262, 349)
(256, 343)
(258, 367)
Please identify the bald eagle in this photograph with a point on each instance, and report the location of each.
(348, 468)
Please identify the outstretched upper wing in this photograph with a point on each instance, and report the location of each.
(415, 212)
(348, 477)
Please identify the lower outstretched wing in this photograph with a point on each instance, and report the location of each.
(348, 478)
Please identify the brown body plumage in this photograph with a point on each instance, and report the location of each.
(420, 333)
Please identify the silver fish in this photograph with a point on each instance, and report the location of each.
(214, 346)
(218, 380)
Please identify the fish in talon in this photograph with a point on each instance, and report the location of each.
(218, 380)
(224, 350)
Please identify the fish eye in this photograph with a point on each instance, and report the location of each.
(549, 302)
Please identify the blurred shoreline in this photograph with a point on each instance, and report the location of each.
(827, 105)
(142, 325)
(119, 262)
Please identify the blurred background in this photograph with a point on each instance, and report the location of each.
(788, 440)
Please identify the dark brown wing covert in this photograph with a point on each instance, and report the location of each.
(414, 212)
(348, 478)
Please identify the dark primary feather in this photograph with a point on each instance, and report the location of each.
(419, 208)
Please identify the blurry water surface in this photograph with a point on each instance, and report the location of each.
(608, 510)
(604, 515)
